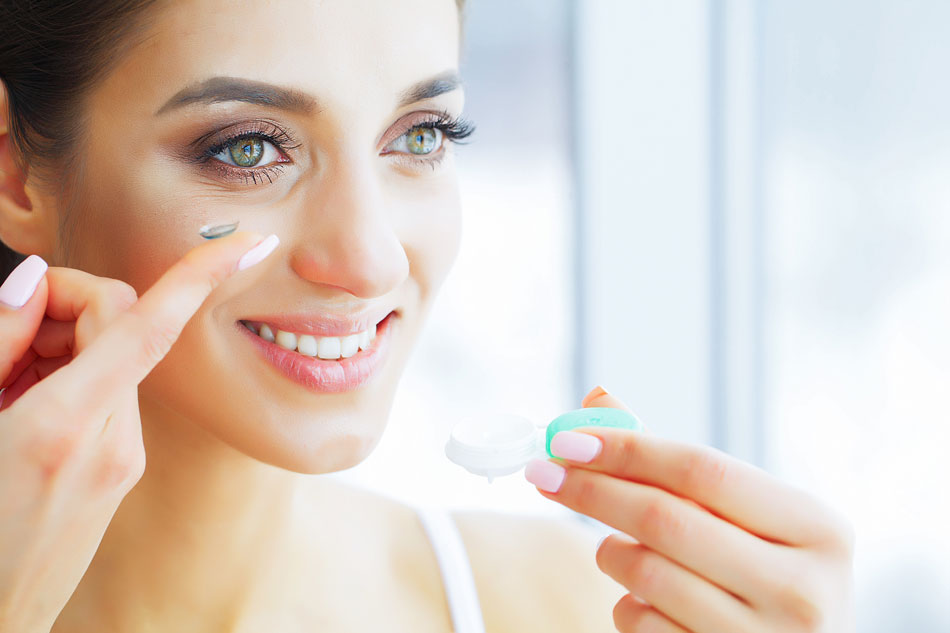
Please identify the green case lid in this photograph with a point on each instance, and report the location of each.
(591, 416)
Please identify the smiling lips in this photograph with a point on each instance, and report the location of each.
(325, 347)
(329, 364)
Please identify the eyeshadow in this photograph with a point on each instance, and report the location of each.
(209, 231)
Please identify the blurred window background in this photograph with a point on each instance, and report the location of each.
(735, 215)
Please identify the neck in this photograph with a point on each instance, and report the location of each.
(199, 538)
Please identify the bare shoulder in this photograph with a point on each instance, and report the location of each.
(537, 573)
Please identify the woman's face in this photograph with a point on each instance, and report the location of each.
(367, 215)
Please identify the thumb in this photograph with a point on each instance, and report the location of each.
(599, 397)
(22, 306)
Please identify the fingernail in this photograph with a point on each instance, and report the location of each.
(546, 475)
(577, 447)
(22, 282)
(259, 252)
(596, 392)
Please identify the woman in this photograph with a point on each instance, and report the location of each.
(327, 126)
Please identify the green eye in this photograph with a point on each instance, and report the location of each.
(246, 152)
(422, 140)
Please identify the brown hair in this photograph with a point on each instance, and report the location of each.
(51, 53)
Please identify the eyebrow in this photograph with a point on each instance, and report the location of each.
(219, 89)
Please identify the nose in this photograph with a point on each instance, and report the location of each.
(349, 239)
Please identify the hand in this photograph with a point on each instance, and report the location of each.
(71, 359)
(708, 543)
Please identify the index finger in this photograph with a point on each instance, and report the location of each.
(728, 487)
(138, 338)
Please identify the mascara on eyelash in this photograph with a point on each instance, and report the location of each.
(209, 231)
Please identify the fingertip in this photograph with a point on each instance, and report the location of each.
(600, 397)
(596, 392)
(21, 284)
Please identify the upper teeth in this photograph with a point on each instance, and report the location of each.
(327, 347)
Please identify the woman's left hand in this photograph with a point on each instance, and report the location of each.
(708, 543)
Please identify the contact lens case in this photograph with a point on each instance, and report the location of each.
(502, 444)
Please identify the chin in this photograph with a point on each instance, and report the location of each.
(322, 445)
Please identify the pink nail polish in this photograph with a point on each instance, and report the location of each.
(259, 252)
(577, 447)
(22, 282)
(546, 475)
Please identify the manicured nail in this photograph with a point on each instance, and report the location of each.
(577, 447)
(546, 475)
(596, 392)
(259, 252)
(22, 282)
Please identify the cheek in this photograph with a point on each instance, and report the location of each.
(127, 230)
(430, 225)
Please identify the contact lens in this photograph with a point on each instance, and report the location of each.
(209, 231)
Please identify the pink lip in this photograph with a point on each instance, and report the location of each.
(320, 325)
(328, 376)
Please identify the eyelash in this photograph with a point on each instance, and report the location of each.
(454, 129)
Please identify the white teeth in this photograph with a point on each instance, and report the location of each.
(266, 333)
(287, 340)
(329, 348)
(307, 345)
(349, 345)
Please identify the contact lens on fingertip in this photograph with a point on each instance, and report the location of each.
(211, 231)
(496, 445)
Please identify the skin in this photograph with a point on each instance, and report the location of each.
(233, 538)
(706, 543)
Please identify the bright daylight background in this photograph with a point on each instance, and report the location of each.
(736, 216)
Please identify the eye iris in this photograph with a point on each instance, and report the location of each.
(247, 152)
(421, 140)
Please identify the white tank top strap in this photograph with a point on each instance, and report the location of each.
(455, 569)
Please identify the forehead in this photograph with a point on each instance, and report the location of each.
(348, 53)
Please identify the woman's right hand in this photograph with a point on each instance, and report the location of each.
(71, 359)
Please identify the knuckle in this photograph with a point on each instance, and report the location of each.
(121, 295)
(797, 602)
(110, 298)
(49, 447)
(643, 571)
(120, 466)
(586, 492)
(661, 522)
(156, 341)
(628, 450)
(705, 469)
